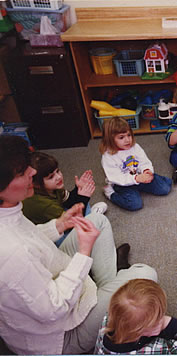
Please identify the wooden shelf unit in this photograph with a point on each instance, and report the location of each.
(120, 31)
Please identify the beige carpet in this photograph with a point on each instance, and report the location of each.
(152, 231)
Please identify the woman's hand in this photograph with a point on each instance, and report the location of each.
(65, 221)
(87, 234)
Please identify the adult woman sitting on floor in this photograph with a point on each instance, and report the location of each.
(48, 302)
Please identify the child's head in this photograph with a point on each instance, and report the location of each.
(48, 175)
(112, 128)
(135, 309)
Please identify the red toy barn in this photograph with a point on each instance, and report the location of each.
(156, 58)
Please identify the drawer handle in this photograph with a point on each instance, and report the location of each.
(52, 110)
(37, 70)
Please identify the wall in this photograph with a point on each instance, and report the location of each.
(109, 3)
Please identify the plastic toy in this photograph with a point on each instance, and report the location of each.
(156, 58)
(106, 109)
(157, 63)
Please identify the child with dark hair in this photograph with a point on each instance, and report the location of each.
(137, 322)
(50, 197)
(127, 168)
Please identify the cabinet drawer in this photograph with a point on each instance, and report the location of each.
(56, 131)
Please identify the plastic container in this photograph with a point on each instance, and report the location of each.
(102, 60)
(36, 4)
(130, 63)
(149, 112)
(16, 129)
(27, 22)
(133, 120)
(45, 41)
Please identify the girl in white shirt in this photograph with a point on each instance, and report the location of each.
(127, 168)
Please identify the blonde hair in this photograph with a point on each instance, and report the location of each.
(137, 305)
(111, 128)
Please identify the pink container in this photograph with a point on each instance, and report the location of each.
(45, 41)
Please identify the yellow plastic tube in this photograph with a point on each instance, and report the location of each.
(116, 112)
(101, 105)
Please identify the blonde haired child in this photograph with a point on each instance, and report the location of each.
(136, 322)
(127, 168)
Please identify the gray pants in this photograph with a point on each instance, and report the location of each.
(104, 273)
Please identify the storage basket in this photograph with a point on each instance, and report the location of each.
(15, 129)
(101, 59)
(149, 112)
(130, 63)
(27, 22)
(36, 4)
(133, 120)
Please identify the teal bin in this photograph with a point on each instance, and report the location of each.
(130, 63)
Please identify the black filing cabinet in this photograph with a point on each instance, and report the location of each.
(47, 95)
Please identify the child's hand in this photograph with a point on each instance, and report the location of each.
(65, 221)
(86, 177)
(148, 171)
(87, 234)
(87, 190)
(145, 177)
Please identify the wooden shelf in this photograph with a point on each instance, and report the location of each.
(124, 28)
(113, 80)
(143, 129)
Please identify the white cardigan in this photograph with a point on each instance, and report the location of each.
(42, 290)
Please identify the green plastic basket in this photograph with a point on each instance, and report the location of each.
(6, 24)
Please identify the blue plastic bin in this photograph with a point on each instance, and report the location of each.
(15, 129)
(130, 63)
(27, 21)
(133, 120)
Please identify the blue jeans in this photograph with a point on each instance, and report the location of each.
(61, 239)
(173, 158)
(128, 197)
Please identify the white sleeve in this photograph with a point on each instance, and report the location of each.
(49, 230)
(144, 161)
(37, 294)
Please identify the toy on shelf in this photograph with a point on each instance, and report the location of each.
(105, 109)
(150, 101)
(166, 111)
(157, 63)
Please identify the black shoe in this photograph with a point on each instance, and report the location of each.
(122, 257)
(174, 176)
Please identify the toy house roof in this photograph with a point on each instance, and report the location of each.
(156, 52)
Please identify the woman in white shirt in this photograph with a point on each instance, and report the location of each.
(48, 302)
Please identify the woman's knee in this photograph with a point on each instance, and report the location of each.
(99, 220)
(141, 270)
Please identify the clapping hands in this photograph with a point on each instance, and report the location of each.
(85, 184)
(87, 234)
(65, 221)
